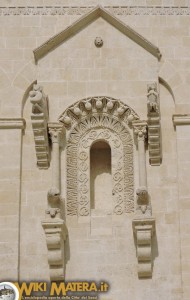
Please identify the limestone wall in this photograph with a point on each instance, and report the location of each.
(100, 246)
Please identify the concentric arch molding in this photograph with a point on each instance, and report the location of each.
(90, 120)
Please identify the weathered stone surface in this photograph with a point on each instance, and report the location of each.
(98, 197)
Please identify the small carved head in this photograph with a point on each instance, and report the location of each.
(98, 42)
(142, 195)
(152, 86)
(52, 212)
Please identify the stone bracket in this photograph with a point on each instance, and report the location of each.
(154, 125)
(39, 119)
(56, 233)
(143, 229)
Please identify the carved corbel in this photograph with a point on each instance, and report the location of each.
(54, 224)
(154, 126)
(143, 224)
(55, 232)
(39, 119)
(144, 229)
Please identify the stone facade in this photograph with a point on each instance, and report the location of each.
(94, 139)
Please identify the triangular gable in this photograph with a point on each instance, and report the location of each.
(81, 23)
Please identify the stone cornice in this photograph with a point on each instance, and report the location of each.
(86, 19)
(181, 119)
(80, 10)
(12, 123)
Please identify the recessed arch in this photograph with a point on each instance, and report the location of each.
(100, 175)
(87, 122)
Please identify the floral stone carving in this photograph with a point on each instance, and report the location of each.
(87, 121)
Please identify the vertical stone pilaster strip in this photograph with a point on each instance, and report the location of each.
(54, 223)
(143, 223)
(56, 135)
(140, 132)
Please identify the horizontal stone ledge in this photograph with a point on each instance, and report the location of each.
(12, 123)
(181, 119)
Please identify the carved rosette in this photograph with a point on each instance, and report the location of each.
(87, 121)
(154, 125)
(144, 230)
(39, 119)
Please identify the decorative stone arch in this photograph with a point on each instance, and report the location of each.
(88, 121)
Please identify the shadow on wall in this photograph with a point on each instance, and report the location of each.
(100, 176)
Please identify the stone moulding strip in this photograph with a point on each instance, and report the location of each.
(82, 22)
(12, 123)
(80, 10)
(181, 119)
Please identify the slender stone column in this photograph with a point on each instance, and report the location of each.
(54, 223)
(140, 132)
(56, 134)
(143, 223)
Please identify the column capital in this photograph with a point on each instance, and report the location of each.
(140, 129)
(56, 132)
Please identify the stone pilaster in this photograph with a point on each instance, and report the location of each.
(143, 223)
(54, 224)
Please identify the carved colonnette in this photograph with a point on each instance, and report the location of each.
(143, 223)
(54, 223)
(89, 120)
(154, 127)
(39, 119)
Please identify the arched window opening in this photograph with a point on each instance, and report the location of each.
(100, 176)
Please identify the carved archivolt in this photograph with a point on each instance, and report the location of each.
(88, 121)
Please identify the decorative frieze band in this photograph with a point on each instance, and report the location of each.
(80, 10)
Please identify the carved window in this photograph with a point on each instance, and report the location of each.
(100, 176)
(93, 123)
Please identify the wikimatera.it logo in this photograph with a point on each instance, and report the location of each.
(73, 290)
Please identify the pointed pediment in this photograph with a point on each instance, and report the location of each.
(81, 23)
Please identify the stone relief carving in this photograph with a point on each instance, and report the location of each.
(120, 190)
(143, 231)
(154, 127)
(98, 42)
(54, 223)
(39, 119)
(143, 223)
(143, 203)
(83, 21)
(80, 10)
(89, 120)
